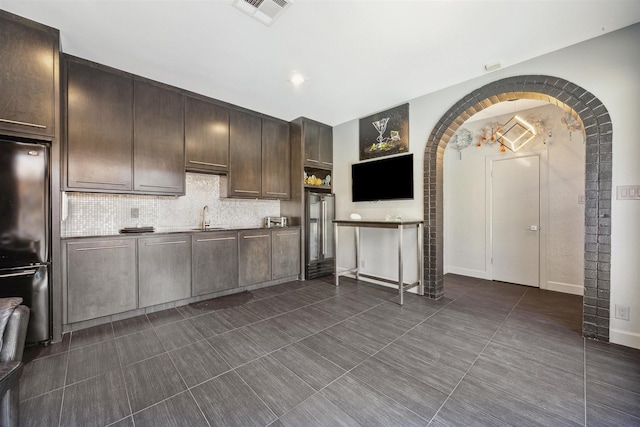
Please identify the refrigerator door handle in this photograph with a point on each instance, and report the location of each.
(20, 273)
(323, 228)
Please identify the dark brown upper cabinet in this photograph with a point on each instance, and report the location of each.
(99, 129)
(318, 144)
(206, 134)
(245, 155)
(158, 144)
(326, 147)
(276, 163)
(29, 70)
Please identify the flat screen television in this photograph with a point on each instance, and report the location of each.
(390, 178)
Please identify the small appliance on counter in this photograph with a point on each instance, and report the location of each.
(275, 221)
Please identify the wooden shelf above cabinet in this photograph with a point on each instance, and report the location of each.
(318, 187)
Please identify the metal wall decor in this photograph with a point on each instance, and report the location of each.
(385, 133)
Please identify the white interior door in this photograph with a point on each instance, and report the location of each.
(515, 220)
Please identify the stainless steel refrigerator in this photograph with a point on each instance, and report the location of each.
(320, 213)
(24, 231)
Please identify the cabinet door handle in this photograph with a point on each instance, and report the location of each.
(313, 161)
(101, 182)
(21, 273)
(259, 236)
(328, 163)
(177, 242)
(158, 186)
(246, 191)
(216, 239)
(293, 233)
(276, 193)
(14, 122)
(207, 163)
(100, 248)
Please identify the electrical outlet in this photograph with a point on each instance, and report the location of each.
(135, 212)
(363, 263)
(622, 312)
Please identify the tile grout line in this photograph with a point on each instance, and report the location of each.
(584, 376)
(269, 353)
(183, 317)
(64, 387)
(347, 371)
(478, 356)
(124, 382)
(256, 394)
(189, 389)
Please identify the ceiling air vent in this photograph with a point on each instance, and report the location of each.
(265, 11)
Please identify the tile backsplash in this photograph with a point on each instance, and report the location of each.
(98, 214)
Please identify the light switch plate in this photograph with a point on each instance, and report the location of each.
(622, 312)
(628, 192)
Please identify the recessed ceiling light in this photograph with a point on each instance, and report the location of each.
(297, 79)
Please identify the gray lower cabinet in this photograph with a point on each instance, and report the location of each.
(214, 262)
(164, 269)
(285, 253)
(254, 256)
(101, 278)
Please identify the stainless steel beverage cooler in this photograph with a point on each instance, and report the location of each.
(319, 250)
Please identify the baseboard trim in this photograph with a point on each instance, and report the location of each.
(628, 339)
(566, 288)
(478, 274)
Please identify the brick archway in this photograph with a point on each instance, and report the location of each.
(596, 122)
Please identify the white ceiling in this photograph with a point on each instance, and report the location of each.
(359, 56)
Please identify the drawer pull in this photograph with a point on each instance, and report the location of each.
(293, 233)
(14, 122)
(101, 182)
(103, 247)
(215, 240)
(313, 161)
(246, 191)
(158, 186)
(276, 193)
(207, 163)
(178, 242)
(328, 163)
(259, 236)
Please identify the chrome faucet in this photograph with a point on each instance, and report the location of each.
(205, 222)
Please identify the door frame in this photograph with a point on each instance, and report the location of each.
(543, 156)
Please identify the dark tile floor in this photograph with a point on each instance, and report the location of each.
(310, 354)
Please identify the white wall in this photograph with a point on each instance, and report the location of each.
(467, 185)
(608, 67)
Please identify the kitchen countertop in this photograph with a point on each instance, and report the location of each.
(160, 231)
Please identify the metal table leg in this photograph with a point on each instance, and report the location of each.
(335, 252)
(400, 266)
(357, 253)
(421, 259)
